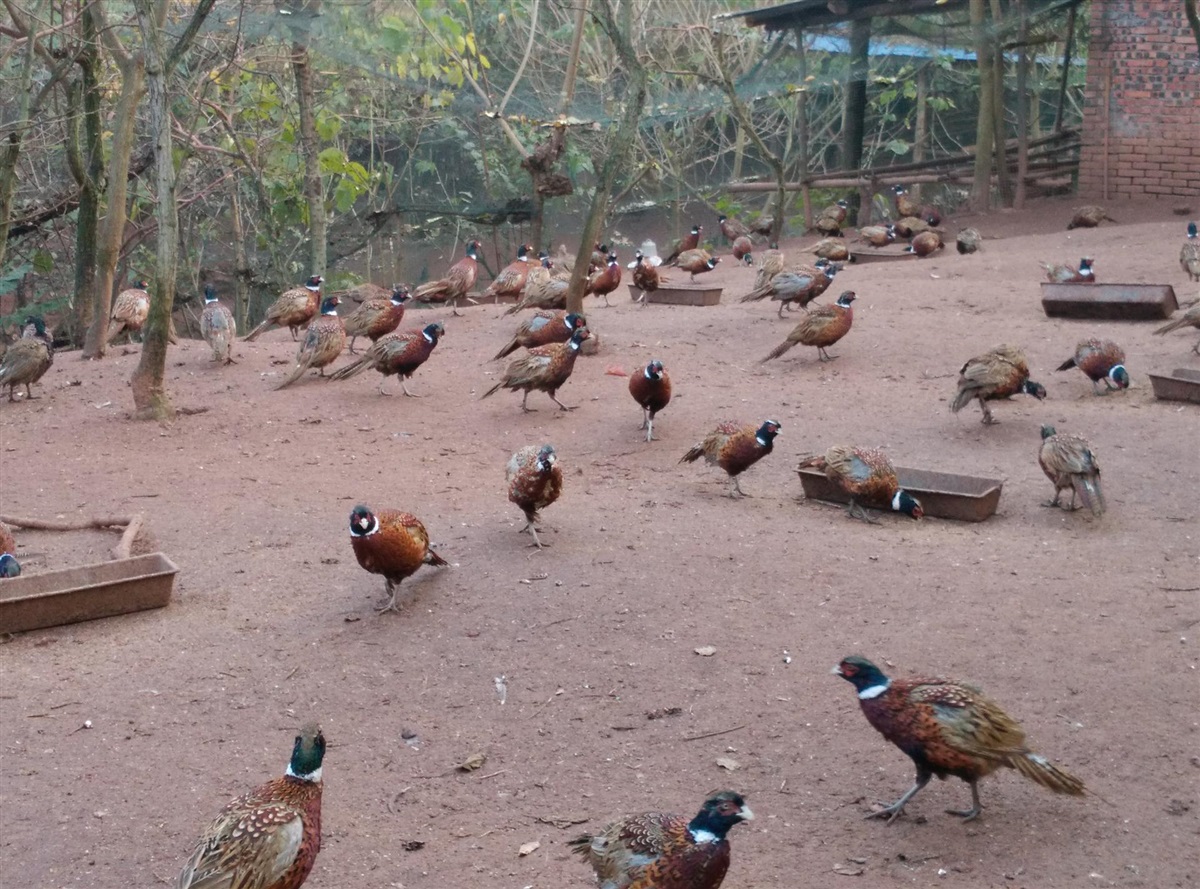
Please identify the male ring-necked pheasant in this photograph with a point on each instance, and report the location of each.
(392, 544)
(397, 354)
(9, 566)
(535, 481)
(1100, 360)
(293, 309)
(947, 728)
(269, 838)
(545, 368)
(867, 476)
(543, 329)
(654, 850)
(511, 280)
(652, 390)
(459, 280)
(822, 327)
(377, 316)
(735, 448)
(998, 373)
(1064, 274)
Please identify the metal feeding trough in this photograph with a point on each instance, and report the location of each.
(883, 254)
(86, 593)
(1109, 302)
(963, 498)
(680, 296)
(1181, 385)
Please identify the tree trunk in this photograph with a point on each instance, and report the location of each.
(12, 148)
(1193, 17)
(85, 156)
(921, 131)
(112, 223)
(998, 134)
(985, 128)
(855, 108)
(620, 29)
(1022, 105)
(314, 194)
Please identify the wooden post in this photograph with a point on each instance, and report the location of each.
(998, 70)
(855, 108)
(1022, 104)
(921, 132)
(802, 127)
(1066, 71)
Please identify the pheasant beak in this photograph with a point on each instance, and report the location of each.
(745, 814)
(837, 670)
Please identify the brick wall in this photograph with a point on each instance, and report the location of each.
(1143, 56)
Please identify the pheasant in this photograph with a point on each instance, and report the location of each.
(376, 317)
(948, 728)
(599, 259)
(822, 327)
(129, 311)
(535, 481)
(652, 390)
(831, 219)
(28, 359)
(911, 226)
(605, 280)
(801, 285)
(696, 262)
(294, 309)
(906, 206)
(735, 448)
(833, 249)
(865, 474)
(392, 544)
(743, 250)
(1069, 461)
(322, 343)
(1189, 253)
(458, 281)
(1064, 274)
(1100, 360)
(764, 224)
(545, 368)
(688, 242)
(543, 329)
(877, 235)
(217, 326)
(770, 263)
(1190, 318)
(9, 566)
(646, 276)
(1089, 217)
(968, 240)
(542, 290)
(732, 229)
(662, 851)
(999, 373)
(511, 280)
(397, 354)
(925, 244)
(269, 838)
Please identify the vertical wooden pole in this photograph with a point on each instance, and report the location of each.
(999, 67)
(1066, 68)
(802, 135)
(1022, 104)
(921, 132)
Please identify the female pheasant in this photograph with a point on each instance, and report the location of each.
(877, 235)
(1189, 253)
(269, 838)
(535, 481)
(458, 281)
(652, 390)
(322, 343)
(9, 566)
(1064, 274)
(129, 311)
(393, 544)
(397, 354)
(999, 373)
(293, 309)
(376, 317)
(661, 851)
(822, 327)
(542, 290)
(1100, 360)
(1190, 318)
(735, 448)
(800, 285)
(217, 326)
(833, 249)
(867, 475)
(543, 329)
(696, 262)
(1089, 217)
(545, 368)
(1069, 461)
(947, 728)
(28, 359)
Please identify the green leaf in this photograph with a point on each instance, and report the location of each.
(43, 262)
(897, 146)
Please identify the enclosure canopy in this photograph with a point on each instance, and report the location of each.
(805, 14)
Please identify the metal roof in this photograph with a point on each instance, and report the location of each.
(814, 13)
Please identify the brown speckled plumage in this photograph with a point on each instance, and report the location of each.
(397, 354)
(1100, 360)
(696, 262)
(1190, 318)
(458, 281)
(822, 327)
(377, 316)
(1065, 274)
(542, 290)
(1089, 217)
(690, 241)
(654, 850)
(392, 544)
(646, 276)
(26, 361)
(735, 448)
(322, 344)
(998, 373)
(511, 280)
(129, 311)
(217, 326)
(535, 481)
(604, 281)
(867, 476)
(545, 369)
(293, 309)
(269, 838)
(542, 329)
(947, 728)
(1070, 462)
(925, 243)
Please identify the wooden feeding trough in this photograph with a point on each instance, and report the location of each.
(1109, 302)
(963, 498)
(33, 601)
(680, 296)
(1181, 385)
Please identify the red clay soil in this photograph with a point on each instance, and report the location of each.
(1085, 630)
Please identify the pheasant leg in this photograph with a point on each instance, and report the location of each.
(650, 428)
(406, 392)
(391, 602)
(526, 408)
(29, 393)
(976, 806)
(352, 339)
(988, 419)
(781, 305)
(893, 811)
(560, 404)
(737, 488)
(381, 389)
(857, 512)
(823, 355)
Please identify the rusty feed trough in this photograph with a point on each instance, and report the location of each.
(680, 296)
(1181, 385)
(1109, 302)
(86, 593)
(883, 254)
(963, 498)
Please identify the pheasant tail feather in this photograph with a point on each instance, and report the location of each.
(1041, 771)
(1089, 492)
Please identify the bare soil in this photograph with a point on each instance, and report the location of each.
(1086, 630)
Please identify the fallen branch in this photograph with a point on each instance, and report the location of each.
(131, 525)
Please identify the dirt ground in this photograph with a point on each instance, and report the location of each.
(1084, 630)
